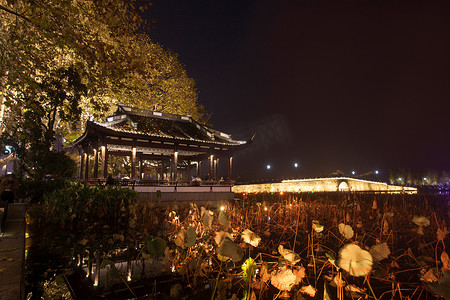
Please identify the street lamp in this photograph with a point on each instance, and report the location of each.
(376, 172)
(353, 172)
(268, 167)
(295, 165)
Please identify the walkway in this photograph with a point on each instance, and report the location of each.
(12, 255)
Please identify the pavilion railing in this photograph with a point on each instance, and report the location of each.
(128, 182)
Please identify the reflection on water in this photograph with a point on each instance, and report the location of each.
(47, 254)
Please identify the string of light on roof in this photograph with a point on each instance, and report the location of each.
(167, 136)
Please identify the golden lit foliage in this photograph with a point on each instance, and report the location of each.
(100, 39)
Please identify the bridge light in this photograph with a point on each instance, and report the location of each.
(353, 172)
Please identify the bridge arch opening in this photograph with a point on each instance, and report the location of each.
(343, 186)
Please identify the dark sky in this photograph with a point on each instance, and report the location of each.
(349, 85)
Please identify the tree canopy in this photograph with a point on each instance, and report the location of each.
(99, 42)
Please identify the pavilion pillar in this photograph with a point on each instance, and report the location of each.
(95, 163)
(230, 167)
(189, 170)
(162, 170)
(216, 167)
(197, 171)
(140, 165)
(86, 166)
(175, 165)
(211, 165)
(104, 162)
(133, 163)
(81, 165)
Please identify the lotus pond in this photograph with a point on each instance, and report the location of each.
(93, 243)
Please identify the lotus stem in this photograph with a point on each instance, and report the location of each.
(370, 287)
(217, 281)
(313, 258)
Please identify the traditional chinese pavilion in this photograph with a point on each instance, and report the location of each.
(159, 146)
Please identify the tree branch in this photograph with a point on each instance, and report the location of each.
(14, 13)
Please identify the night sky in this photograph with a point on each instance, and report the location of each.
(349, 85)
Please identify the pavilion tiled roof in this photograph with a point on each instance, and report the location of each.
(157, 124)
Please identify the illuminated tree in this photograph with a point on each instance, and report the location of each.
(33, 132)
(99, 40)
(444, 177)
(47, 45)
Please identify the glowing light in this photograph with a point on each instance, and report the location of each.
(281, 193)
(376, 172)
(268, 167)
(265, 208)
(424, 178)
(353, 172)
(222, 208)
(295, 165)
(8, 149)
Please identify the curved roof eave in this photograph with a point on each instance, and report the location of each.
(106, 130)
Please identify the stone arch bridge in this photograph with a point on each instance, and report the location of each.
(333, 184)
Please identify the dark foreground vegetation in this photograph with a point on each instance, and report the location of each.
(104, 244)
